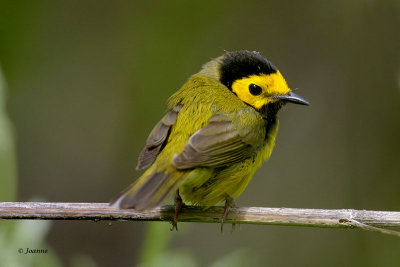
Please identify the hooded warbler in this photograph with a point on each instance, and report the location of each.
(220, 127)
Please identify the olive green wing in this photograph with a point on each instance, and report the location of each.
(157, 138)
(223, 141)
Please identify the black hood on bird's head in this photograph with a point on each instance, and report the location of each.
(239, 64)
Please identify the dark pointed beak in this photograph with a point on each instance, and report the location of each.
(293, 98)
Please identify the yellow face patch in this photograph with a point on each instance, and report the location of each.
(271, 85)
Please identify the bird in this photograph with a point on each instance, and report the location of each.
(220, 127)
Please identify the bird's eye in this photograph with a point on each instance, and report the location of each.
(255, 89)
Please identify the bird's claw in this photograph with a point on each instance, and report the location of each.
(178, 207)
(229, 204)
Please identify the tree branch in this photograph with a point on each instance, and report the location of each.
(344, 218)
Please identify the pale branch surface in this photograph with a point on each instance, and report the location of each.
(341, 218)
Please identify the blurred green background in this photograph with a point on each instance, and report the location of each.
(87, 81)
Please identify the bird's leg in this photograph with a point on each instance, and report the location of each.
(178, 207)
(229, 204)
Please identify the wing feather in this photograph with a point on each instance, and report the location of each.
(157, 138)
(217, 144)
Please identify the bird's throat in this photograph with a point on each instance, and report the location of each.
(269, 111)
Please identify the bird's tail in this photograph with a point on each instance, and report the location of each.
(149, 191)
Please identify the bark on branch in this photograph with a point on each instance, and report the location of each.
(343, 218)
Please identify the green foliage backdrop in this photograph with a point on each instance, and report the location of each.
(88, 80)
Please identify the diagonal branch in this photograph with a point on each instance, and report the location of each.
(343, 218)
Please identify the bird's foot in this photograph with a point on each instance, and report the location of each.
(229, 204)
(178, 207)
